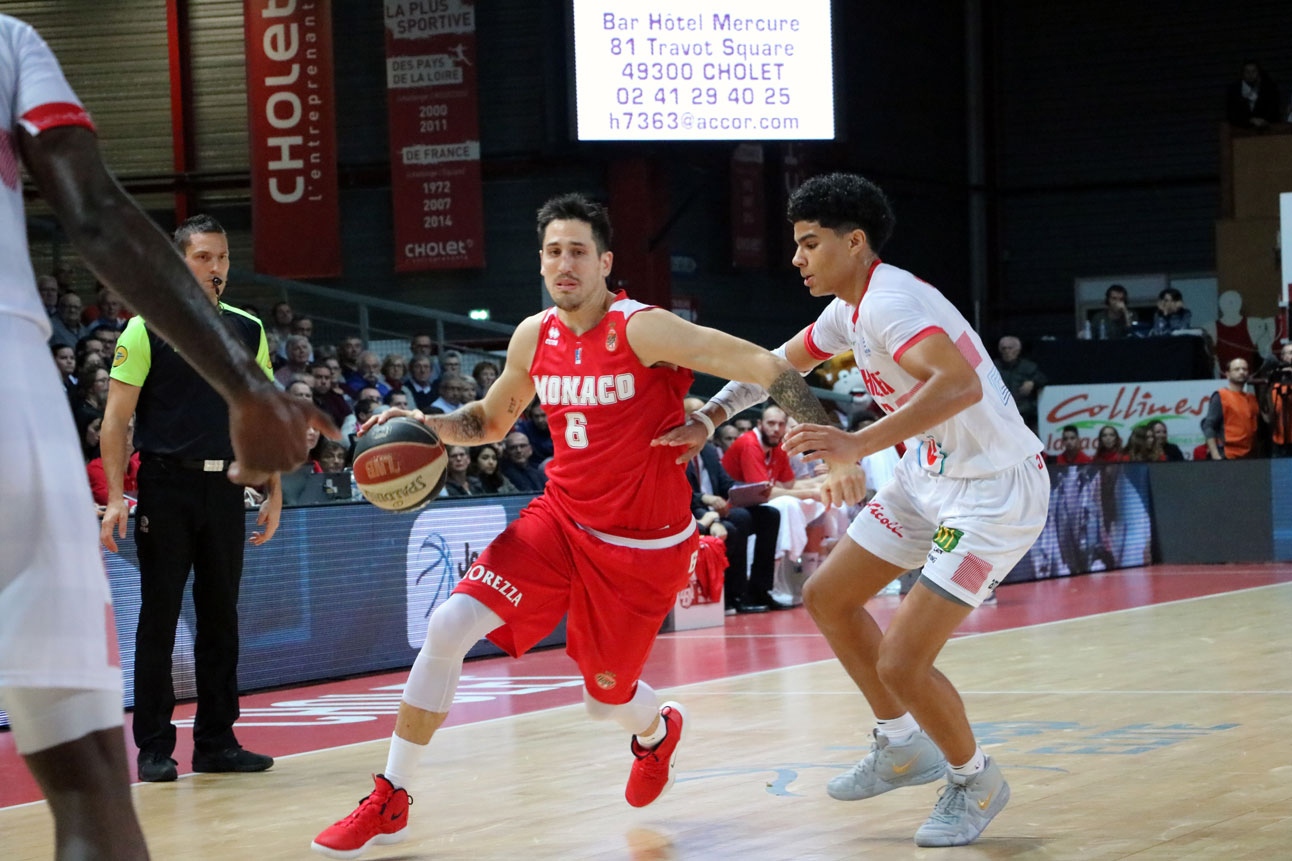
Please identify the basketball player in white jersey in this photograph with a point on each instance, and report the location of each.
(60, 676)
(969, 498)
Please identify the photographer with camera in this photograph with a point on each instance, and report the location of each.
(1273, 383)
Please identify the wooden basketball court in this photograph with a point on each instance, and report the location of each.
(1142, 714)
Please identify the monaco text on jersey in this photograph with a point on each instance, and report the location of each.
(585, 391)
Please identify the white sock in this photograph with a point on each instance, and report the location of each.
(401, 762)
(899, 730)
(653, 739)
(975, 764)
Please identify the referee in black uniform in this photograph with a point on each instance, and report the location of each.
(189, 516)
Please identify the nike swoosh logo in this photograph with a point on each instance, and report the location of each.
(982, 805)
(902, 769)
(395, 816)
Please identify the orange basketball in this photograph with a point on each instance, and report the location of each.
(399, 465)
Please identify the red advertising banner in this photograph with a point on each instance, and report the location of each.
(434, 134)
(295, 210)
(748, 208)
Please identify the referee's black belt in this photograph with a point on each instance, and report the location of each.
(188, 463)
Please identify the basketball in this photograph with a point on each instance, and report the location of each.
(399, 465)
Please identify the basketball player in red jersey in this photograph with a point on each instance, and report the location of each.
(612, 539)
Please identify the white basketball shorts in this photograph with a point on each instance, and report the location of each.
(967, 533)
(56, 626)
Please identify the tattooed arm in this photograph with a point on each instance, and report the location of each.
(489, 419)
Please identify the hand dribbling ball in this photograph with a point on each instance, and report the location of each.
(399, 465)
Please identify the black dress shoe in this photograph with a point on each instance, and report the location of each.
(231, 759)
(766, 601)
(155, 767)
(746, 607)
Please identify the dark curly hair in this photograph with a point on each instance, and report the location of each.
(577, 207)
(842, 202)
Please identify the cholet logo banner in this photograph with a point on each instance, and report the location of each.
(1181, 404)
(442, 545)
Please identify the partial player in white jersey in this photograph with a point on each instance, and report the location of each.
(60, 676)
(969, 498)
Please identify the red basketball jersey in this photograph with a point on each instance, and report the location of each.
(604, 407)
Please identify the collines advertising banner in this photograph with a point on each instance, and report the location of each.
(294, 200)
(434, 134)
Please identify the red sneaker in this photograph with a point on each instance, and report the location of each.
(379, 818)
(653, 769)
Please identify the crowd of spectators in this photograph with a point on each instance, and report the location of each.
(346, 380)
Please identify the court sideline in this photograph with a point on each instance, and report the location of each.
(1138, 714)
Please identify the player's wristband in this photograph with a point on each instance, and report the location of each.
(704, 420)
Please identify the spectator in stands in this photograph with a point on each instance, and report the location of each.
(65, 360)
(757, 456)
(1108, 446)
(1273, 384)
(326, 396)
(347, 354)
(419, 383)
(743, 583)
(66, 323)
(534, 425)
(280, 320)
(130, 482)
(1169, 449)
(368, 376)
(331, 456)
(1143, 446)
(484, 373)
(393, 371)
(881, 466)
(1022, 376)
(303, 326)
(1071, 453)
(108, 308)
(485, 466)
(92, 392)
(297, 363)
(107, 338)
(88, 425)
(47, 286)
(1231, 420)
(1171, 315)
(516, 465)
(1252, 102)
(725, 435)
(1116, 320)
(450, 362)
(363, 410)
(399, 400)
(744, 424)
(458, 480)
(421, 345)
(455, 390)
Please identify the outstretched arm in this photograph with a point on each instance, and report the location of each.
(127, 252)
(659, 337)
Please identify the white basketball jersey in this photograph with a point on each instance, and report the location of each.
(896, 312)
(34, 95)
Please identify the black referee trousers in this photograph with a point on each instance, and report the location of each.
(187, 520)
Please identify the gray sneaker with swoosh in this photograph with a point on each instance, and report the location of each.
(964, 808)
(890, 766)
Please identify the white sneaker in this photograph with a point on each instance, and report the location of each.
(889, 766)
(965, 808)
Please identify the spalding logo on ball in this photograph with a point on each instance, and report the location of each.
(399, 465)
